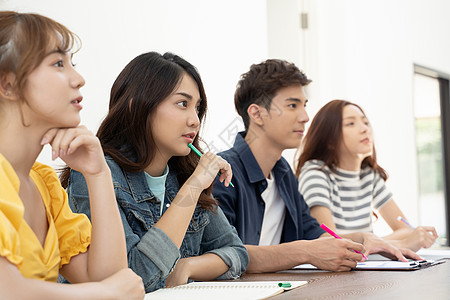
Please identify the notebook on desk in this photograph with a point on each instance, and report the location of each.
(224, 290)
(384, 265)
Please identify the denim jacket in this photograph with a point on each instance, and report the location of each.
(151, 253)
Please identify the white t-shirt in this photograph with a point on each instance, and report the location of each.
(274, 214)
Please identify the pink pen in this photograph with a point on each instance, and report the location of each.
(324, 227)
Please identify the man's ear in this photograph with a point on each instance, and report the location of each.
(7, 83)
(255, 113)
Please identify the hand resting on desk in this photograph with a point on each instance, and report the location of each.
(375, 244)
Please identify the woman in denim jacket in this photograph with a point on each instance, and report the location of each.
(175, 231)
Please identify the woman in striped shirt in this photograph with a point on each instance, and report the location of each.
(341, 181)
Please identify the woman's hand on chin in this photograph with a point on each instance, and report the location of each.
(78, 147)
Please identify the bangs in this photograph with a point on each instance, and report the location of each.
(63, 39)
(34, 37)
(44, 35)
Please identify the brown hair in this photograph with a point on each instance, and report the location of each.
(325, 135)
(261, 83)
(25, 40)
(126, 133)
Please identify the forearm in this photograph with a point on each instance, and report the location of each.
(277, 257)
(206, 267)
(325, 253)
(37, 289)
(107, 251)
(14, 286)
(175, 220)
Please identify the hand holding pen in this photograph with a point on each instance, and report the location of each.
(332, 233)
(335, 255)
(420, 237)
(220, 162)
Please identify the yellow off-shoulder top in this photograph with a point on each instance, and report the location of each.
(68, 233)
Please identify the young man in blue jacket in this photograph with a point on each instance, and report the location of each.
(269, 213)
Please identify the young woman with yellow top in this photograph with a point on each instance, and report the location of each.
(40, 236)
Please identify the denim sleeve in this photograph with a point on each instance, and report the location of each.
(152, 257)
(222, 239)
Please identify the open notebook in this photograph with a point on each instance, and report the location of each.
(224, 290)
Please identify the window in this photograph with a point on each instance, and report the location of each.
(432, 113)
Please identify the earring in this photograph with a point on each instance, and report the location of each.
(6, 93)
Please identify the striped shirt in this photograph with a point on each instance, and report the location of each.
(350, 195)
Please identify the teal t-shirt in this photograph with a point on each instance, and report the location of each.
(158, 186)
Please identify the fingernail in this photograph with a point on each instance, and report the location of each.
(61, 152)
(44, 141)
(53, 155)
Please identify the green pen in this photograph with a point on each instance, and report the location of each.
(284, 284)
(200, 154)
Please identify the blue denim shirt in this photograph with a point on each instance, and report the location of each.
(244, 206)
(151, 253)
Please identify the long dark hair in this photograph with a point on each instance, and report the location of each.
(325, 135)
(126, 133)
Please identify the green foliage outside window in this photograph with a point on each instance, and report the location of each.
(429, 153)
